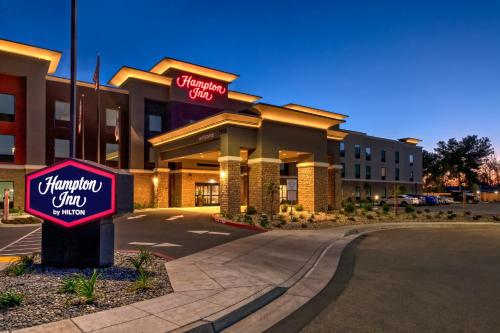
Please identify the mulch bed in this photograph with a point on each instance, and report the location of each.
(43, 302)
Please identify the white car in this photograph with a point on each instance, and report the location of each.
(403, 200)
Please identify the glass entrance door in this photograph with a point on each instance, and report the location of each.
(206, 194)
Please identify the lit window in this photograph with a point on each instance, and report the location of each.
(62, 111)
(6, 185)
(111, 117)
(357, 171)
(7, 148)
(382, 173)
(410, 158)
(368, 153)
(61, 148)
(357, 151)
(7, 109)
(342, 149)
(154, 123)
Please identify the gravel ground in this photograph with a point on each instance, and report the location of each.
(42, 302)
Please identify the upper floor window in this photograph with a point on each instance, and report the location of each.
(368, 153)
(357, 151)
(357, 171)
(368, 172)
(396, 157)
(396, 174)
(7, 107)
(61, 148)
(111, 117)
(62, 111)
(382, 156)
(411, 175)
(342, 149)
(342, 173)
(383, 173)
(154, 123)
(7, 148)
(410, 159)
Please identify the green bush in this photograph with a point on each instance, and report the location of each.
(299, 207)
(9, 299)
(368, 207)
(69, 284)
(144, 280)
(349, 208)
(248, 219)
(264, 221)
(452, 216)
(17, 210)
(476, 217)
(409, 209)
(386, 208)
(17, 269)
(86, 288)
(284, 208)
(251, 210)
(144, 257)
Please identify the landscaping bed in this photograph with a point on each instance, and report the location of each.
(22, 220)
(43, 294)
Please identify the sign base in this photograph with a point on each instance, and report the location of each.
(89, 245)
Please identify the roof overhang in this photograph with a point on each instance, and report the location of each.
(336, 135)
(168, 63)
(126, 73)
(315, 111)
(412, 141)
(239, 96)
(296, 117)
(26, 50)
(221, 119)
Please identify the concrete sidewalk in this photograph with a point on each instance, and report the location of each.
(224, 287)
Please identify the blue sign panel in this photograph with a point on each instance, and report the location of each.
(70, 193)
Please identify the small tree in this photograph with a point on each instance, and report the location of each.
(272, 190)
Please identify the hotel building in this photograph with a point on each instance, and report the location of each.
(189, 140)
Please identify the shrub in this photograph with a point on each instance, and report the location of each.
(86, 287)
(69, 284)
(386, 208)
(349, 208)
(476, 217)
(16, 210)
(251, 210)
(427, 210)
(451, 216)
(496, 218)
(144, 257)
(284, 208)
(264, 222)
(28, 260)
(9, 299)
(303, 225)
(17, 269)
(368, 207)
(409, 209)
(248, 219)
(144, 280)
(299, 207)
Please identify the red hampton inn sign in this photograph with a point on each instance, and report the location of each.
(200, 90)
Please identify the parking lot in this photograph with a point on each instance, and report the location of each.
(482, 208)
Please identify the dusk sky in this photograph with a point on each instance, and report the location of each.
(425, 69)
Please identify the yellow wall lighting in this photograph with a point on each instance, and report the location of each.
(412, 141)
(336, 135)
(218, 120)
(126, 73)
(318, 112)
(51, 56)
(238, 96)
(167, 63)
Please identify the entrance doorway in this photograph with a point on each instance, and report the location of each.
(206, 194)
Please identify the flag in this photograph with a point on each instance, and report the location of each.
(96, 73)
(80, 115)
(117, 127)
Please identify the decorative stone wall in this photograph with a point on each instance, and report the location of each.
(335, 186)
(186, 195)
(312, 186)
(143, 188)
(161, 195)
(17, 176)
(260, 175)
(230, 186)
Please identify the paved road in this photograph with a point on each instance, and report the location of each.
(439, 280)
(175, 233)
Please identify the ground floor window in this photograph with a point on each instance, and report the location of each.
(283, 194)
(61, 149)
(112, 154)
(7, 185)
(206, 194)
(7, 148)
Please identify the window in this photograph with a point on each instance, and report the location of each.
(154, 123)
(383, 173)
(396, 157)
(62, 111)
(368, 190)
(411, 176)
(112, 154)
(357, 171)
(396, 174)
(368, 172)
(7, 148)
(357, 151)
(61, 148)
(410, 159)
(368, 153)
(7, 108)
(342, 149)
(342, 173)
(6, 185)
(111, 117)
(382, 156)
(357, 192)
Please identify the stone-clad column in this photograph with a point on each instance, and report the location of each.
(312, 185)
(160, 183)
(263, 171)
(230, 184)
(335, 186)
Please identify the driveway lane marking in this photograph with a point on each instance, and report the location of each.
(166, 245)
(135, 217)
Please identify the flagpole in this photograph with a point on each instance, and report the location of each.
(72, 147)
(98, 69)
(83, 127)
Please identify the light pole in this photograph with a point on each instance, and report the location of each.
(73, 80)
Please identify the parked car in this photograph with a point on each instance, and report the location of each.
(441, 200)
(431, 200)
(421, 198)
(469, 197)
(402, 200)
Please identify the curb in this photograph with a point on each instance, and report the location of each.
(219, 219)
